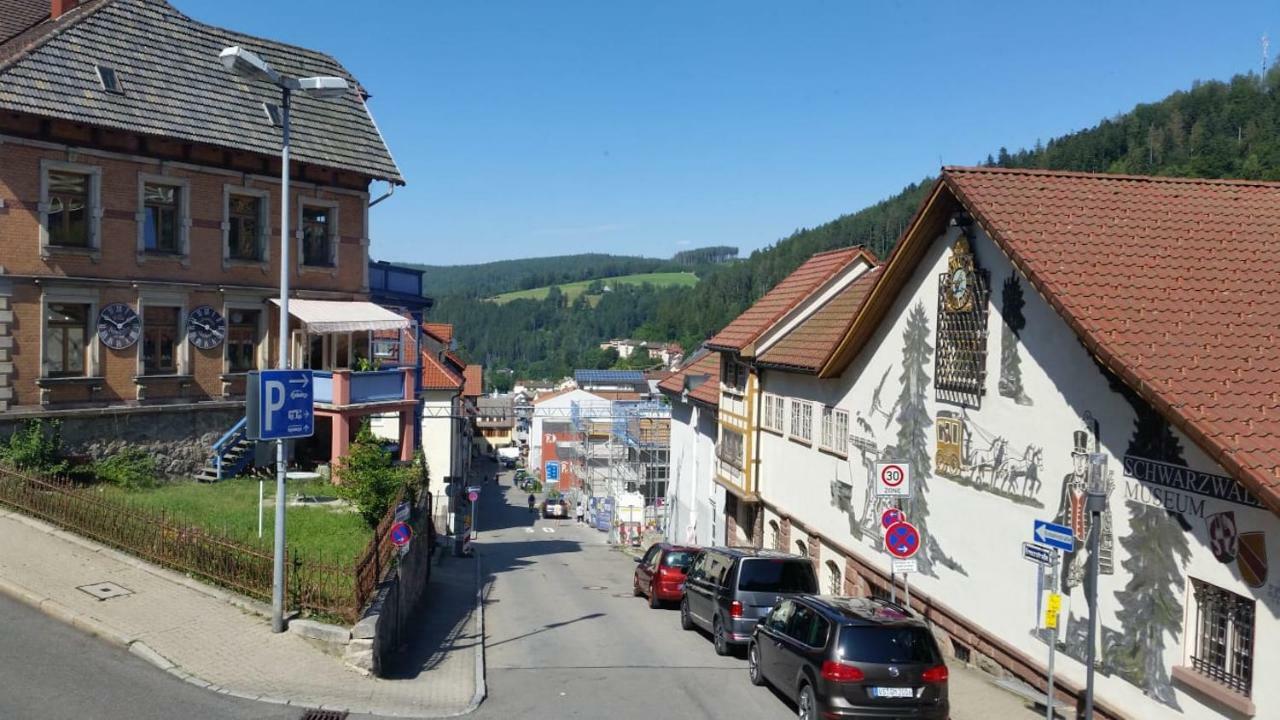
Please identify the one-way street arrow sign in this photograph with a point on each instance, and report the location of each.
(1054, 535)
(1037, 553)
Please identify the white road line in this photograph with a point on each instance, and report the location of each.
(548, 529)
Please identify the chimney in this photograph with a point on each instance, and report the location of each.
(58, 7)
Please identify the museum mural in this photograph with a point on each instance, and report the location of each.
(980, 459)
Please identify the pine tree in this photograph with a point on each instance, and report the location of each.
(913, 441)
(1011, 304)
(1151, 602)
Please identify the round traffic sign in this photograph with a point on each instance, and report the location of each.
(892, 475)
(902, 540)
(891, 516)
(473, 495)
(401, 533)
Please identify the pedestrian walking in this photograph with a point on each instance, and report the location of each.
(582, 510)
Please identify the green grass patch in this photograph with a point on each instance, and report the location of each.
(231, 506)
(573, 290)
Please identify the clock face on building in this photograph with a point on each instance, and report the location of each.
(206, 327)
(118, 326)
(958, 289)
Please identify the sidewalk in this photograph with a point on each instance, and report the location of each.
(219, 640)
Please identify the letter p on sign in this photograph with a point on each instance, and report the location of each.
(274, 401)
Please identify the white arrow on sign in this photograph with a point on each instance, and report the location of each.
(1044, 534)
(299, 381)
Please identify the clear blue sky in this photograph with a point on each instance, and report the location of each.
(545, 127)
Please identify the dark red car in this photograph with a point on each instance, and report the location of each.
(660, 573)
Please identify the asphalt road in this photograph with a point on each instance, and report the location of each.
(565, 637)
(51, 671)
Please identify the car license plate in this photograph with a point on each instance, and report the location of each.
(892, 692)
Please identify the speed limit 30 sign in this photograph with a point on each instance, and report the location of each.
(893, 479)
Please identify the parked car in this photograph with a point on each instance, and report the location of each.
(728, 590)
(660, 573)
(555, 507)
(850, 657)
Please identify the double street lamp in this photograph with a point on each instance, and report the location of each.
(248, 65)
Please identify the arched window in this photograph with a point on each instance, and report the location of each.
(775, 535)
(835, 584)
(801, 549)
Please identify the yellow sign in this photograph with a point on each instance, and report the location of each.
(1055, 603)
(1051, 619)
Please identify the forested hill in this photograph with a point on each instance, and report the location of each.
(1214, 129)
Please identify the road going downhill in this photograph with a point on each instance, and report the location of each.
(565, 637)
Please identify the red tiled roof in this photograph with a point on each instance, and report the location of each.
(708, 392)
(436, 376)
(547, 395)
(440, 331)
(784, 296)
(474, 381)
(1173, 284)
(810, 344)
(458, 362)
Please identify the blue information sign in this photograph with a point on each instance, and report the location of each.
(1054, 535)
(553, 471)
(279, 405)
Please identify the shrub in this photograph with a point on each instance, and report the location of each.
(33, 447)
(367, 477)
(131, 469)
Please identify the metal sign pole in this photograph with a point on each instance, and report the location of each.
(906, 581)
(475, 512)
(282, 362)
(1051, 634)
(261, 483)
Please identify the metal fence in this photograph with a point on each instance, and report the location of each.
(332, 589)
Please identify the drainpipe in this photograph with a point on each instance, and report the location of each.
(391, 190)
(755, 459)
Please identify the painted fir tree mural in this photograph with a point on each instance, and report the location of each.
(1150, 605)
(1011, 304)
(913, 439)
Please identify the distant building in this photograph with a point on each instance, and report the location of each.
(495, 422)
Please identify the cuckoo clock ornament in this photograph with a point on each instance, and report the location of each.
(118, 326)
(961, 280)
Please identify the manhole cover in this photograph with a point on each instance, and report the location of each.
(105, 590)
(594, 587)
(324, 715)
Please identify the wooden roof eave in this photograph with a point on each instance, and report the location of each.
(925, 226)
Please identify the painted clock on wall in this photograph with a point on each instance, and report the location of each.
(206, 327)
(119, 326)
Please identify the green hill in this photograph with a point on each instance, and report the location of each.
(573, 290)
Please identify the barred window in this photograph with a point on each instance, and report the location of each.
(835, 584)
(1223, 636)
(802, 420)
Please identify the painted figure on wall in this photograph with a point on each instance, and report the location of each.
(1011, 304)
(1072, 513)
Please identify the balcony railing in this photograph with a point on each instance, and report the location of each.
(347, 387)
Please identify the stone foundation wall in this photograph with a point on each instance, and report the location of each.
(178, 437)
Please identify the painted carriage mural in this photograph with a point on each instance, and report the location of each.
(969, 456)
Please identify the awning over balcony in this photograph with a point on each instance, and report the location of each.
(336, 316)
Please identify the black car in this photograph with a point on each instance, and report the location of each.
(850, 658)
(727, 590)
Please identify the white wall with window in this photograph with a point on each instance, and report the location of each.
(801, 427)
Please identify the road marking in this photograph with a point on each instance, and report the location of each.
(529, 530)
(548, 529)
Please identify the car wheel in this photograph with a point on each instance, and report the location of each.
(753, 665)
(717, 636)
(805, 705)
(654, 602)
(635, 587)
(686, 620)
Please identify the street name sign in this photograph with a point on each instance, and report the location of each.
(1037, 553)
(902, 540)
(279, 405)
(893, 479)
(553, 471)
(1054, 535)
(902, 567)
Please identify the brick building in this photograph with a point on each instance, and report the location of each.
(140, 221)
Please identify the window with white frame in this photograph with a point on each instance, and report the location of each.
(774, 412)
(70, 207)
(1222, 636)
(835, 430)
(802, 420)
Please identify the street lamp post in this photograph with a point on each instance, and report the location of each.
(1096, 502)
(248, 65)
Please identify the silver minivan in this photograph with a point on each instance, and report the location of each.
(728, 590)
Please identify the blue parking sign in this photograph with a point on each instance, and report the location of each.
(553, 471)
(279, 405)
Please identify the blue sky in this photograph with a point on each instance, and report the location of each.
(530, 128)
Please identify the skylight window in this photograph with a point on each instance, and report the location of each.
(110, 81)
(273, 114)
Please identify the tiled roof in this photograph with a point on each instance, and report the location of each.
(474, 381)
(18, 15)
(704, 364)
(784, 296)
(440, 331)
(548, 395)
(176, 87)
(458, 362)
(435, 376)
(810, 344)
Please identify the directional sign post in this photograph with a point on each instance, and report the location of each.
(279, 405)
(893, 479)
(902, 540)
(1054, 535)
